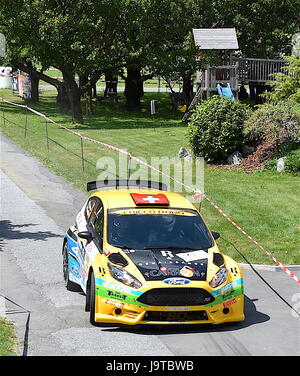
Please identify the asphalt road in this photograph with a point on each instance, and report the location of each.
(36, 208)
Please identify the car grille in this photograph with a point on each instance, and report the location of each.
(176, 296)
(175, 316)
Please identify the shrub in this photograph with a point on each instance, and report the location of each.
(291, 163)
(273, 123)
(286, 84)
(215, 129)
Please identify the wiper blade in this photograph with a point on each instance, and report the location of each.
(170, 247)
(122, 246)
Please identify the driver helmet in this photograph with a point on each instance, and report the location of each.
(168, 222)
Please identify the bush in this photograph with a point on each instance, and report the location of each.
(286, 84)
(273, 123)
(291, 163)
(215, 128)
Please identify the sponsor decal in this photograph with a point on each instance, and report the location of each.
(232, 290)
(168, 254)
(153, 211)
(176, 281)
(229, 302)
(75, 271)
(102, 271)
(192, 256)
(187, 271)
(114, 303)
(164, 270)
(228, 286)
(128, 250)
(106, 252)
(117, 287)
(74, 250)
(159, 264)
(116, 295)
(177, 308)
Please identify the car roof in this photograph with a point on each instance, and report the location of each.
(120, 198)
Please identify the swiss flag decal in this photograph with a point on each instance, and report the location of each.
(145, 199)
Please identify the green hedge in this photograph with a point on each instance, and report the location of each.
(215, 129)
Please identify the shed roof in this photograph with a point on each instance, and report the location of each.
(216, 39)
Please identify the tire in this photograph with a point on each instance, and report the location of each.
(92, 299)
(71, 286)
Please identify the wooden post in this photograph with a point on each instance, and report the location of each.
(3, 114)
(46, 126)
(26, 115)
(82, 159)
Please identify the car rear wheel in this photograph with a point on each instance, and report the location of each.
(71, 286)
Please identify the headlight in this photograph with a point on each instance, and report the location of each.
(122, 276)
(219, 277)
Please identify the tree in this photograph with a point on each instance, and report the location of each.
(175, 57)
(265, 27)
(136, 41)
(70, 35)
(286, 84)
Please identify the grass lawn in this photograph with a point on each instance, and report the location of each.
(7, 338)
(264, 203)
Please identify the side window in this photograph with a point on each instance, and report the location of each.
(90, 207)
(96, 220)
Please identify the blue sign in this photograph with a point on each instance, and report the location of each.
(176, 281)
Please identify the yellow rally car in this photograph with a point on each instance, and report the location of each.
(143, 255)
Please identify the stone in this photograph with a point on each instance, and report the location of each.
(234, 158)
(280, 164)
(247, 150)
(182, 152)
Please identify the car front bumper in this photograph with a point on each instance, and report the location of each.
(112, 311)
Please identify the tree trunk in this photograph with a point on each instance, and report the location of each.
(187, 88)
(86, 93)
(73, 93)
(134, 88)
(62, 98)
(89, 101)
(34, 88)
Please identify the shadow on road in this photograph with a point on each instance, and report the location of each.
(10, 231)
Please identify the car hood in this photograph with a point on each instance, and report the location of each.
(159, 264)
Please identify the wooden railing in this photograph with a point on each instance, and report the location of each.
(257, 70)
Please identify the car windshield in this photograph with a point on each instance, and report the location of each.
(157, 228)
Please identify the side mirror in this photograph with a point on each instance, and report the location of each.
(85, 235)
(215, 235)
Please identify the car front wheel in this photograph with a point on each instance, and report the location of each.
(92, 299)
(71, 286)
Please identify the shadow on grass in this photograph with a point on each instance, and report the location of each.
(106, 115)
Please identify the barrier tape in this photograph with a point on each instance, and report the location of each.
(198, 193)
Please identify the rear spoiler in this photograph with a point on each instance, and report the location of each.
(98, 184)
